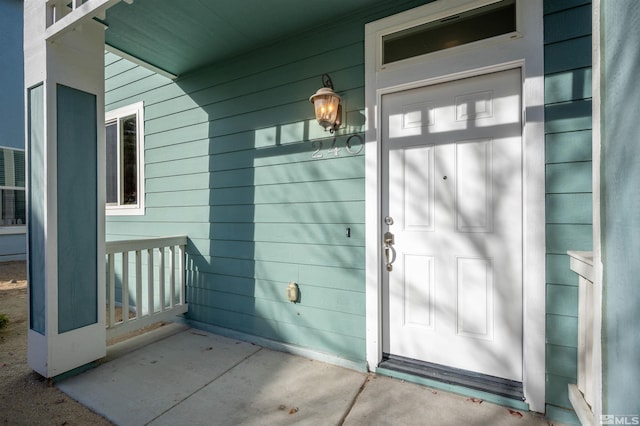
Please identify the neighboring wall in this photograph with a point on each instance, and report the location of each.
(568, 172)
(620, 207)
(230, 163)
(12, 238)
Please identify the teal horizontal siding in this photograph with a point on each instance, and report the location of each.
(568, 177)
(230, 96)
(562, 415)
(556, 390)
(297, 192)
(571, 23)
(563, 361)
(562, 300)
(297, 333)
(562, 237)
(115, 66)
(562, 330)
(197, 148)
(558, 271)
(183, 134)
(284, 272)
(568, 147)
(298, 253)
(343, 167)
(568, 86)
(337, 212)
(551, 6)
(123, 79)
(110, 58)
(274, 307)
(135, 90)
(321, 297)
(123, 226)
(567, 55)
(571, 208)
(289, 233)
(568, 116)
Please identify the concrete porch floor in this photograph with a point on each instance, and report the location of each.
(197, 378)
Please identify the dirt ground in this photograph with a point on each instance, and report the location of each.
(26, 398)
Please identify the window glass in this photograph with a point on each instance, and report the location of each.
(19, 167)
(129, 161)
(3, 180)
(13, 210)
(112, 163)
(477, 24)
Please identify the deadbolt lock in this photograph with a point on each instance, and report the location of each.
(388, 239)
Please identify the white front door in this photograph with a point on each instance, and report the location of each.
(452, 198)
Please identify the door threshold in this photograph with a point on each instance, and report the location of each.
(453, 376)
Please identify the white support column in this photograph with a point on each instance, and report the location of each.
(64, 82)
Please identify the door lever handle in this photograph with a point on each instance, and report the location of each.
(389, 251)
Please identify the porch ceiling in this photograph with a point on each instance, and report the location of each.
(179, 36)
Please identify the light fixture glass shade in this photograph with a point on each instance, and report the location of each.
(326, 104)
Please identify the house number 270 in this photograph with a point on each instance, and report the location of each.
(353, 147)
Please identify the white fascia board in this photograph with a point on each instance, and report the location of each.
(140, 62)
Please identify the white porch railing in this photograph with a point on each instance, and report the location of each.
(63, 16)
(145, 282)
(583, 394)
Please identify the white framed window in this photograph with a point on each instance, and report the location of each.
(125, 160)
(13, 211)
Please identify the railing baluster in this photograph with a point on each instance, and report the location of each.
(161, 277)
(150, 280)
(112, 292)
(181, 266)
(138, 284)
(172, 275)
(125, 286)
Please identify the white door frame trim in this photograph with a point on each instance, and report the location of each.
(523, 50)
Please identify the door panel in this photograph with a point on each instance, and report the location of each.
(452, 182)
(419, 288)
(474, 195)
(417, 169)
(475, 298)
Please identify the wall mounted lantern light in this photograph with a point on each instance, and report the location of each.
(327, 105)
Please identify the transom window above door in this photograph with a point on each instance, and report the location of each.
(453, 30)
(125, 160)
